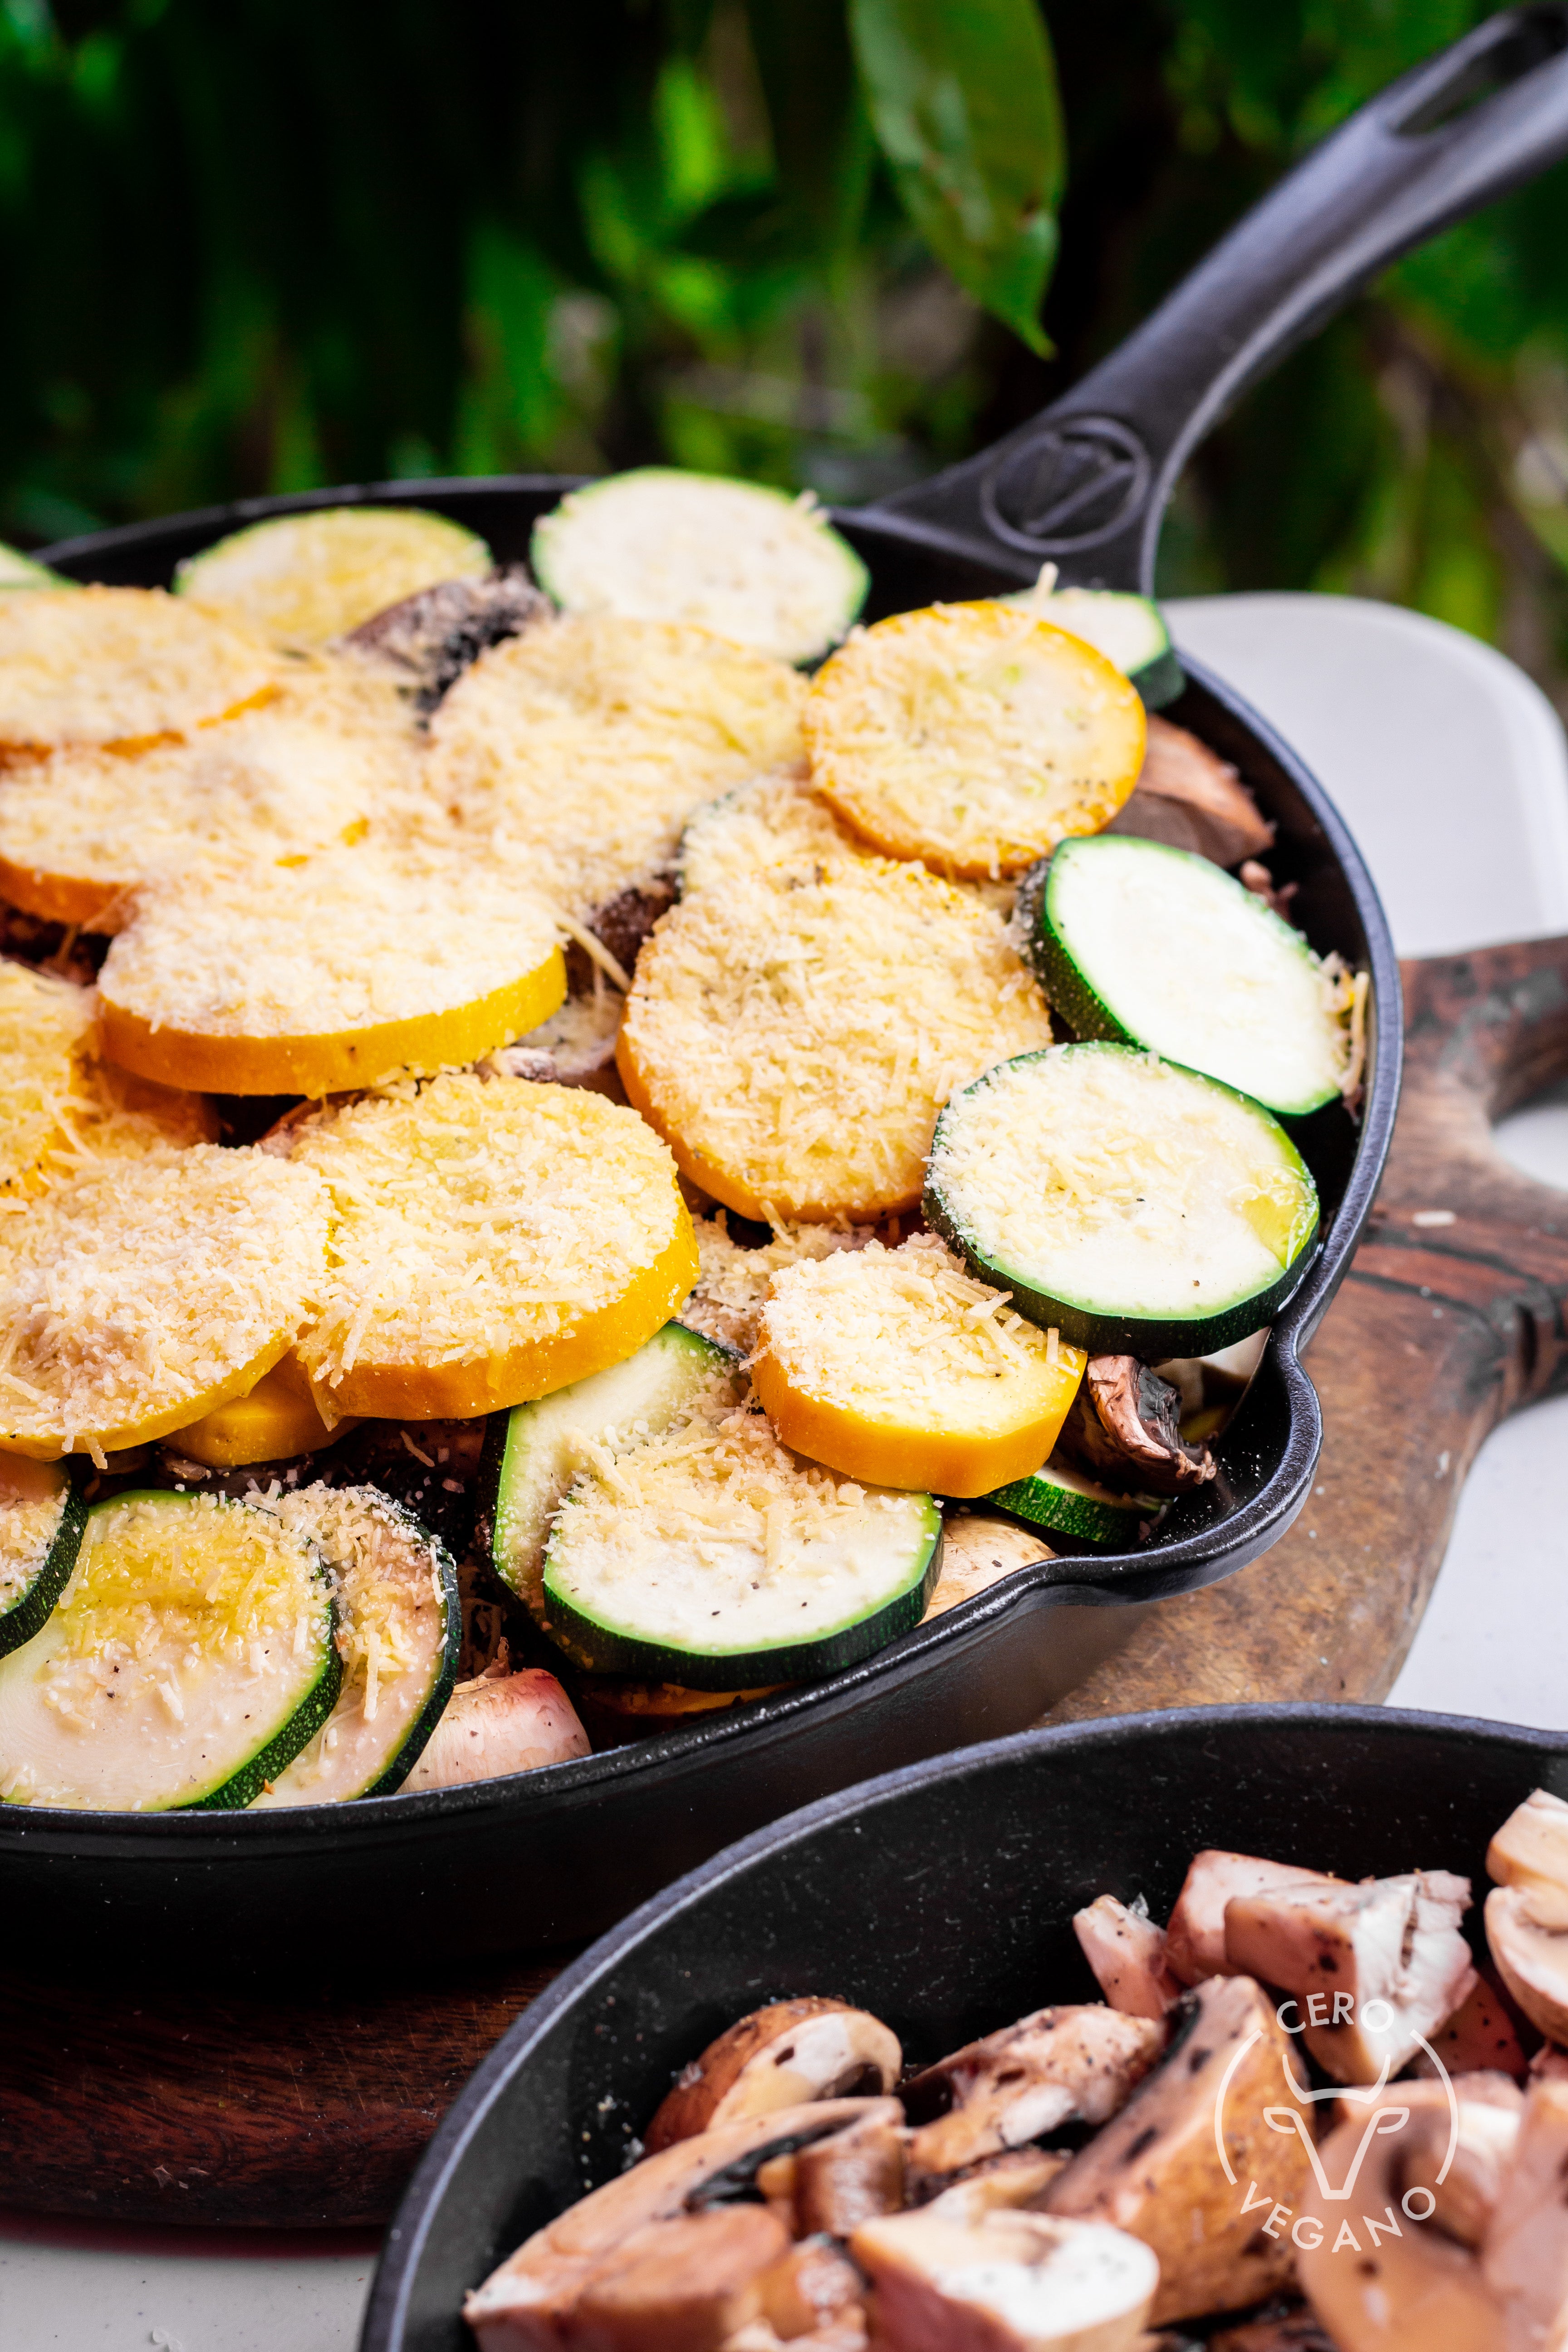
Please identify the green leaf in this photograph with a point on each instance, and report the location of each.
(963, 96)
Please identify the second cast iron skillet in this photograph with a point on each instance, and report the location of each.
(558, 1853)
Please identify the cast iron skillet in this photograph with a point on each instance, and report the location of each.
(1085, 484)
(940, 1898)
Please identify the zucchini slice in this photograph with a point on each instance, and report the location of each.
(972, 736)
(119, 666)
(1140, 1208)
(1153, 946)
(534, 1452)
(774, 819)
(188, 1660)
(1128, 630)
(19, 570)
(42, 1515)
(303, 578)
(895, 1366)
(758, 565)
(399, 1634)
(714, 1558)
(1070, 1505)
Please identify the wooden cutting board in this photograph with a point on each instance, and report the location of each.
(159, 2105)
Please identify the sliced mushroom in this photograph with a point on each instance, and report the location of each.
(791, 2051)
(850, 2177)
(432, 636)
(678, 2286)
(1487, 2034)
(1376, 1968)
(998, 2184)
(1156, 2168)
(1194, 1934)
(1524, 2255)
(1295, 2329)
(1532, 1959)
(523, 2306)
(1530, 1852)
(1124, 1426)
(1187, 795)
(1007, 2283)
(1461, 2171)
(810, 2288)
(1379, 2280)
(1127, 1952)
(508, 1723)
(1549, 2065)
(1071, 2064)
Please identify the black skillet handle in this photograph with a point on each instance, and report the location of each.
(1085, 483)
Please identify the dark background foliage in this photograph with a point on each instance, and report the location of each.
(251, 245)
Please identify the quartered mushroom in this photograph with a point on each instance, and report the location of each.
(1527, 1912)
(678, 2286)
(1461, 2169)
(1124, 1426)
(1483, 2036)
(1126, 1950)
(1188, 796)
(998, 2184)
(1070, 2065)
(1380, 2280)
(1376, 1968)
(430, 638)
(1195, 1933)
(1530, 1852)
(852, 2175)
(1524, 2255)
(525, 2305)
(791, 2051)
(508, 1723)
(1156, 2168)
(1295, 2329)
(811, 2290)
(1007, 2283)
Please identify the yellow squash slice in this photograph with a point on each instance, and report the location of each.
(793, 1035)
(898, 1366)
(314, 978)
(581, 748)
(301, 579)
(972, 736)
(139, 1295)
(278, 1418)
(62, 1105)
(493, 1241)
(80, 830)
(119, 666)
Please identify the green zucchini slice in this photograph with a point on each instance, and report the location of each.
(1153, 946)
(303, 578)
(1140, 1208)
(1070, 1505)
(716, 1559)
(534, 1452)
(750, 564)
(1128, 630)
(42, 1515)
(19, 570)
(189, 1659)
(399, 1633)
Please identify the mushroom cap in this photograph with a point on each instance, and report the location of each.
(1007, 2283)
(1524, 2254)
(1127, 1952)
(1194, 1934)
(1532, 1958)
(1076, 2063)
(1530, 1851)
(790, 2051)
(508, 1723)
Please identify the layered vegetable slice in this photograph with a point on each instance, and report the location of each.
(793, 1035)
(188, 1660)
(62, 1103)
(272, 1422)
(534, 1452)
(19, 570)
(772, 820)
(301, 579)
(1128, 630)
(493, 1241)
(42, 1515)
(326, 972)
(1156, 947)
(896, 1366)
(972, 736)
(1069, 1504)
(399, 1633)
(1137, 1207)
(579, 751)
(119, 666)
(715, 1559)
(139, 1295)
(657, 544)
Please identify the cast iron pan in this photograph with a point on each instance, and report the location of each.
(560, 1853)
(939, 1897)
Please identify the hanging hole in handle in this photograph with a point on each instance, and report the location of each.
(1531, 39)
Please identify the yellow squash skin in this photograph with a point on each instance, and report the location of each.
(334, 1063)
(156, 1425)
(275, 1419)
(56, 898)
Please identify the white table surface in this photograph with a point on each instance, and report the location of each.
(1452, 772)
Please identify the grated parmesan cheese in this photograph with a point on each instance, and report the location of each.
(65, 1109)
(33, 1498)
(580, 750)
(117, 666)
(795, 1035)
(134, 1289)
(734, 1281)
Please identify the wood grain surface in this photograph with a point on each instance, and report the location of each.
(152, 2105)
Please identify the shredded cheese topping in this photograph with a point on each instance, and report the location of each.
(795, 1034)
(117, 666)
(973, 736)
(132, 1290)
(1101, 1175)
(773, 820)
(473, 1219)
(581, 749)
(301, 579)
(734, 1281)
(33, 1497)
(66, 1110)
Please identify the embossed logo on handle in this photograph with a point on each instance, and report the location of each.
(1070, 486)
